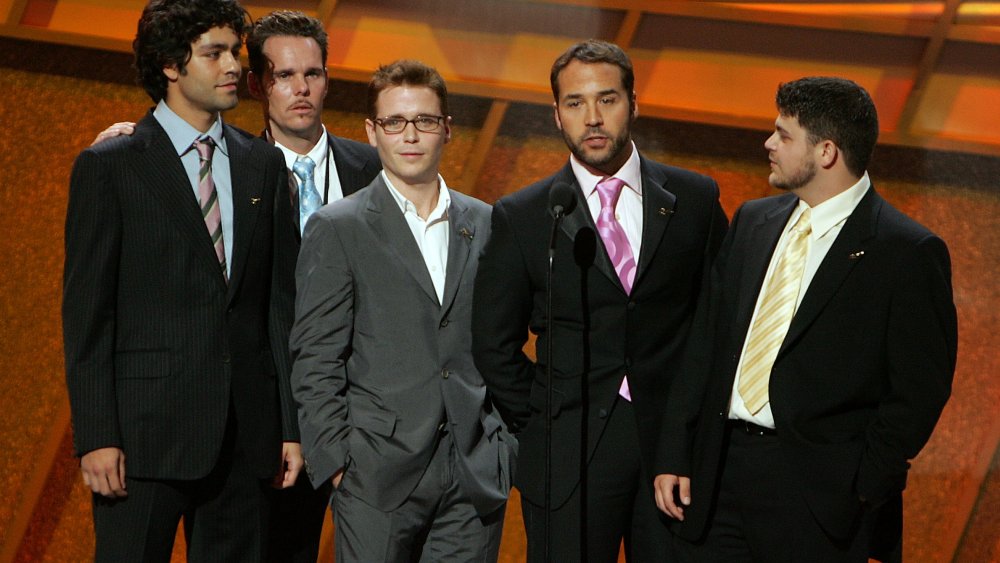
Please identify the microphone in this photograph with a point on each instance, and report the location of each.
(562, 199)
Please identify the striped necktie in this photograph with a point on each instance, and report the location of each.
(208, 199)
(309, 200)
(777, 308)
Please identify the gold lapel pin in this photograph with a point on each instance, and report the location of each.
(664, 211)
(856, 255)
(465, 233)
(254, 200)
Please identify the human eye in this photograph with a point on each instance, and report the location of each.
(391, 123)
(426, 122)
(282, 75)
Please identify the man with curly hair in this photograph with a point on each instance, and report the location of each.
(175, 312)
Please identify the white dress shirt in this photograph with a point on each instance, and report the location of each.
(431, 235)
(827, 220)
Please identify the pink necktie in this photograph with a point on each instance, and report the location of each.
(208, 198)
(616, 243)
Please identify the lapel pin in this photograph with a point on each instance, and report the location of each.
(856, 255)
(664, 211)
(254, 200)
(465, 233)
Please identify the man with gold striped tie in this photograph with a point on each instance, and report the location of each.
(820, 359)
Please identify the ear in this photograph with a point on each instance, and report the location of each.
(555, 115)
(447, 129)
(370, 129)
(827, 154)
(172, 73)
(635, 106)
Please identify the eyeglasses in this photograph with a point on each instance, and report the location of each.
(423, 123)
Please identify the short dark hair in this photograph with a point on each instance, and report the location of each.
(595, 51)
(282, 23)
(167, 29)
(409, 73)
(836, 109)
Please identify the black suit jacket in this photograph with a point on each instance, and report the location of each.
(640, 335)
(160, 350)
(860, 379)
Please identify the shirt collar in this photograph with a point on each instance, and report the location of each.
(439, 212)
(182, 135)
(318, 153)
(630, 173)
(833, 211)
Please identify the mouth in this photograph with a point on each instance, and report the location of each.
(595, 141)
(228, 86)
(301, 107)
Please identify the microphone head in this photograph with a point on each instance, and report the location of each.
(562, 199)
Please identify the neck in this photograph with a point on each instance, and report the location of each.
(424, 196)
(822, 189)
(300, 143)
(199, 119)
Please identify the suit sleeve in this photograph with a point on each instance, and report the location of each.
(501, 312)
(320, 345)
(922, 345)
(686, 397)
(283, 301)
(90, 282)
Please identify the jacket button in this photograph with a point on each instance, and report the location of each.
(225, 358)
(628, 362)
(603, 413)
(445, 373)
(444, 323)
(631, 305)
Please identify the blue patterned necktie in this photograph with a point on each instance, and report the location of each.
(309, 200)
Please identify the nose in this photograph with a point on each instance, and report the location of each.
(593, 116)
(771, 142)
(410, 132)
(231, 64)
(301, 85)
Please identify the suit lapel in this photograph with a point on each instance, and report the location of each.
(763, 240)
(390, 226)
(657, 210)
(843, 256)
(462, 232)
(580, 218)
(247, 182)
(157, 162)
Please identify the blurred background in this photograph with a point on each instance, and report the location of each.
(706, 73)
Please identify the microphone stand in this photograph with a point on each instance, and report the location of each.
(558, 215)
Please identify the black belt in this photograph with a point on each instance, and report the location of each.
(750, 428)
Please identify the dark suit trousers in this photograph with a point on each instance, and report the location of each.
(760, 517)
(436, 524)
(618, 507)
(297, 521)
(224, 513)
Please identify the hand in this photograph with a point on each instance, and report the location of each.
(104, 472)
(664, 485)
(291, 463)
(120, 128)
(337, 478)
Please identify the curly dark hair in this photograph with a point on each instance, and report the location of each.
(834, 109)
(408, 73)
(594, 51)
(282, 23)
(167, 29)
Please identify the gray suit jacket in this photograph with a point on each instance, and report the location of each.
(379, 364)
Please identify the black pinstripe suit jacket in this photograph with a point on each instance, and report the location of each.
(160, 350)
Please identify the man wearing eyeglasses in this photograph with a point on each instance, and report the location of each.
(391, 407)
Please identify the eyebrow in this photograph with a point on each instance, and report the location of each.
(214, 46)
(602, 93)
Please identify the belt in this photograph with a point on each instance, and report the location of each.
(750, 428)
